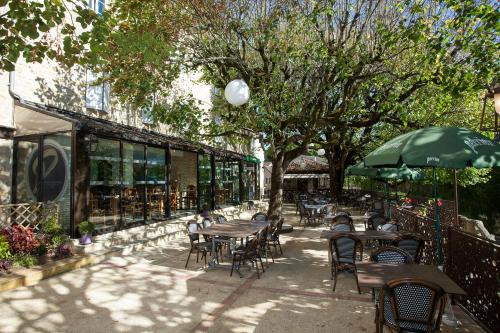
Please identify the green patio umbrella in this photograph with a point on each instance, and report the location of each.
(437, 147)
(386, 174)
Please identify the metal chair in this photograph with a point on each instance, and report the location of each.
(343, 253)
(274, 236)
(341, 226)
(259, 216)
(391, 255)
(410, 305)
(374, 221)
(388, 227)
(196, 245)
(248, 252)
(412, 244)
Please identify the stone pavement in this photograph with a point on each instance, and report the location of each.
(150, 291)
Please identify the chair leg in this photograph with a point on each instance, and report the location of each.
(261, 264)
(205, 256)
(197, 255)
(189, 255)
(335, 277)
(270, 252)
(279, 244)
(357, 282)
(232, 266)
(257, 269)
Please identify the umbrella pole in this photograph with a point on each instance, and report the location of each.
(437, 218)
(456, 195)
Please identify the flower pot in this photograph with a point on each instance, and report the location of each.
(86, 239)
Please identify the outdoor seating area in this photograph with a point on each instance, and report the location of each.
(205, 298)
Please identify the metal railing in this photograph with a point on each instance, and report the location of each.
(474, 264)
(32, 215)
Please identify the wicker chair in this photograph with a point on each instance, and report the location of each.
(264, 248)
(342, 226)
(342, 219)
(410, 305)
(391, 255)
(248, 252)
(388, 227)
(274, 236)
(412, 244)
(343, 249)
(374, 221)
(220, 219)
(196, 245)
(259, 216)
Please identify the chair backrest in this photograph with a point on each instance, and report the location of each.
(206, 222)
(275, 232)
(378, 205)
(388, 227)
(391, 255)
(343, 212)
(375, 221)
(250, 205)
(220, 219)
(412, 305)
(341, 226)
(412, 244)
(262, 236)
(191, 227)
(259, 216)
(343, 247)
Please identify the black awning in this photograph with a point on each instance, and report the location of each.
(108, 128)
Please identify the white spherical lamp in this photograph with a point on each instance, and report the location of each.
(321, 152)
(237, 92)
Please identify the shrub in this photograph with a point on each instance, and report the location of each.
(64, 250)
(21, 239)
(24, 260)
(5, 265)
(58, 240)
(86, 227)
(42, 250)
(4, 248)
(52, 226)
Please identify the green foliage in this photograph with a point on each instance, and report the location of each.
(42, 250)
(34, 30)
(86, 227)
(4, 248)
(58, 240)
(52, 227)
(24, 260)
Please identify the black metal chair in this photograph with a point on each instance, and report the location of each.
(264, 247)
(273, 239)
(248, 252)
(343, 253)
(196, 245)
(412, 244)
(391, 255)
(259, 216)
(388, 227)
(410, 305)
(374, 221)
(342, 226)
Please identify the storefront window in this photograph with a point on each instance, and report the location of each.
(133, 183)
(183, 179)
(49, 181)
(156, 193)
(234, 181)
(227, 182)
(249, 181)
(205, 180)
(105, 183)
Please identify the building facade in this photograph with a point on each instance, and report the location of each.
(64, 139)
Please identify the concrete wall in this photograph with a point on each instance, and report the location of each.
(5, 170)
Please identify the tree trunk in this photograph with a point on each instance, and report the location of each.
(276, 195)
(336, 165)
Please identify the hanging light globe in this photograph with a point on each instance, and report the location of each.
(321, 152)
(237, 92)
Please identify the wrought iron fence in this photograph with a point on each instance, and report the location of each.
(474, 264)
(32, 215)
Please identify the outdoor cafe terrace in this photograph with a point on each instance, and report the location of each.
(150, 290)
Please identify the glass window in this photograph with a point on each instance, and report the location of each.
(249, 178)
(133, 183)
(105, 183)
(156, 181)
(97, 6)
(183, 180)
(227, 182)
(28, 181)
(96, 95)
(49, 181)
(205, 181)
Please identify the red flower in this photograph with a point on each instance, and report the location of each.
(439, 202)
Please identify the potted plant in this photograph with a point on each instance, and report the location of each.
(86, 229)
(42, 254)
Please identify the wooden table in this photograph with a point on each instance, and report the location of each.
(364, 235)
(375, 275)
(233, 229)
